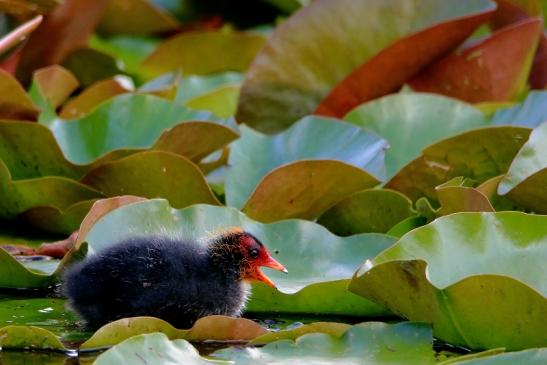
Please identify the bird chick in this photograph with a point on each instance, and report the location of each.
(178, 281)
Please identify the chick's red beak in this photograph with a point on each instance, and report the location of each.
(266, 261)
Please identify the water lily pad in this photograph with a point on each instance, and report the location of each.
(361, 42)
(29, 337)
(531, 113)
(479, 155)
(153, 174)
(92, 96)
(56, 220)
(222, 102)
(478, 278)
(52, 85)
(413, 121)
(493, 69)
(256, 154)
(367, 211)
(14, 274)
(193, 86)
(454, 197)
(49, 43)
(331, 328)
(201, 53)
(22, 195)
(138, 349)
(317, 260)
(218, 328)
(526, 180)
(15, 101)
(126, 121)
(528, 357)
(19, 34)
(137, 17)
(305, 189)
(369, 343)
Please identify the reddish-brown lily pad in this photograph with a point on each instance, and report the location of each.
(15, 103)
(494, 69)
(332, 55)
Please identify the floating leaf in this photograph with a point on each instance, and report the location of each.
(152, 174)
(218, 328)
(495, 69)
(22, 195)
(367, 343)
(49, 44)
(201, 53)
(331, 328)
(454, 198)
(52, 85)
(479, 155)
(361, 43)
(255, 154)
(466, 273)
(137, 17)
(14, 274)
(56, 220)
(15, 102)
(92, 96)
(526, 180)
(318, 262)
(367, 211)
(193, 86)
(121, 122)
(410, 122)
(222, 102)
(29, 337)
(531, 113)
(305, 189)
(138, 349)
(528, 357)
(90, 65)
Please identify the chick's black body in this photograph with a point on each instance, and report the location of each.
(177, 281)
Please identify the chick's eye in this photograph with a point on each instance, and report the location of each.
(254, 253)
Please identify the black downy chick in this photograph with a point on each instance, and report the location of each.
(177, 281)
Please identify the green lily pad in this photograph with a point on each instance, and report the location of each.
(222, 102)
(14, 274)
(528, 357)
(531, 113)
(372, 343)
(30, 150)
(136, 17)
(154, 348)
(331, 328)
(29, 337)
(256, 154)
(410, 122)
(22, 195)
(125, 121)
(56, 220)
(201, 53)
(193, 86)
(479, 155)
(153, 174)
(128, 51)
(478, 278)
(526, 180)
(367, 211)
(218, 328)
(361, 43)
(318, 261)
